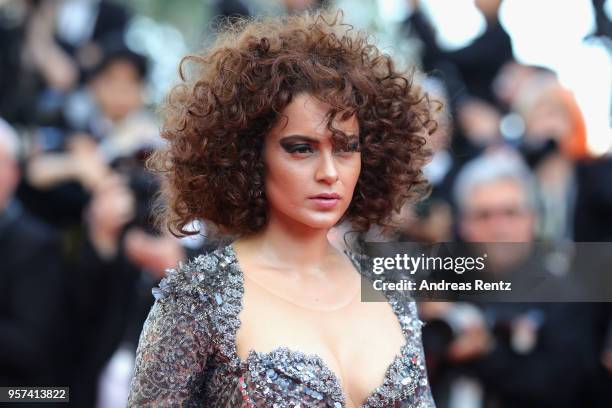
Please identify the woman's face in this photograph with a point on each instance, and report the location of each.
(309, 181)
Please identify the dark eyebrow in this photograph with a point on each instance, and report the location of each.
(298, 138)
(303, 138)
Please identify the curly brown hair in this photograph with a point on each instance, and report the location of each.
(216, 119)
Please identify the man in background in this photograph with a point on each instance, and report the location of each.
(31, 285)
(513, 354)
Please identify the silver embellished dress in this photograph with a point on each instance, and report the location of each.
(187, 351)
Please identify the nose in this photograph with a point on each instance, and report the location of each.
(326, 169)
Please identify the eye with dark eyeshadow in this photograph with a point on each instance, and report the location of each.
(301, 148)
(354, 146)
(350, 147)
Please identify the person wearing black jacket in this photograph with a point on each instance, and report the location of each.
(31, 290)
(541, 353)
(31, 286)
(468, 71)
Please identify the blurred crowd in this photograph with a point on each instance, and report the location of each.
(511, 164)
(80, 250)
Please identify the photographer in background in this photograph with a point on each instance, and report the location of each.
(91, 182)
(107, 122)
(120, 255)
(509, 354)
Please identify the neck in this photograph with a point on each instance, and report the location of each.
(491, 19)
(287, 243)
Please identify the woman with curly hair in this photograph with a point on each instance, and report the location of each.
(285, 128)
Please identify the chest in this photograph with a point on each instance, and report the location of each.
(357, 343)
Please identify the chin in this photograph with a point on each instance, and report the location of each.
(320, 224)
(307, 218)
(321, 220)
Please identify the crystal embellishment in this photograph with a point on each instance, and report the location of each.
(187, 351)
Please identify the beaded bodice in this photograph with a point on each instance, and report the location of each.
(187, 350)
